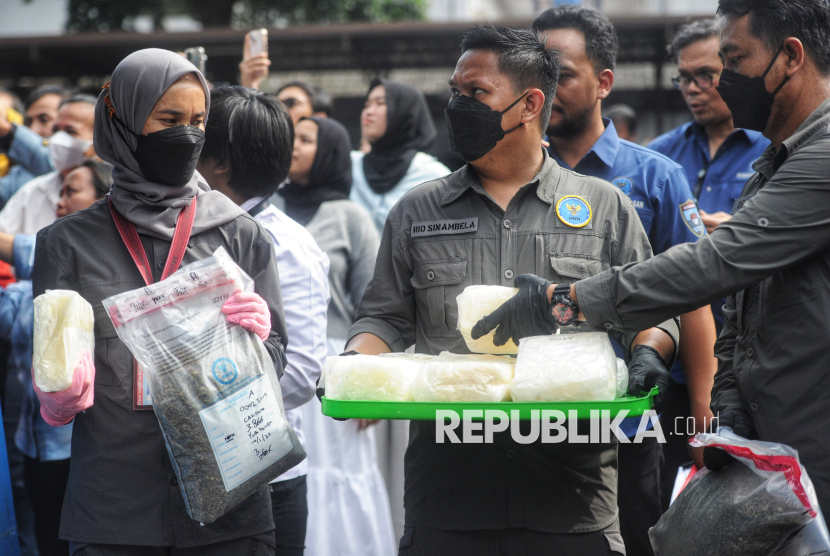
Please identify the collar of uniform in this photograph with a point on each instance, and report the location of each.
(465, 178)
(605, 149)
(737, 134)
(816, 122)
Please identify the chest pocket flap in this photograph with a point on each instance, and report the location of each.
(439, 273)
(575, 268)
(433, 281)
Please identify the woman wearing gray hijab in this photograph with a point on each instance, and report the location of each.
(123, 496)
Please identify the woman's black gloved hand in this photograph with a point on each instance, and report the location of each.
(741, 424)
(526, 314)
(647, 370)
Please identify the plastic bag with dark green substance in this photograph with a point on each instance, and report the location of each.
(757, 505)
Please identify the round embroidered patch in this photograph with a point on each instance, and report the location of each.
(573, 211)
(625, 185)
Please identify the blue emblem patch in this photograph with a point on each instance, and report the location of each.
(574, 211)
(625, 185)
(691, 216)
(224, 370)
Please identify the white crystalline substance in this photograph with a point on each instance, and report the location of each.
(63, 328)
(476, 302)
(622, 378)
(384, 377)
(464, 378)
(567, 367)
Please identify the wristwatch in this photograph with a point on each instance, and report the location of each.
(562, 307)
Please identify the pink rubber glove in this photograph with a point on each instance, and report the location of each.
(249, 310)
(58, 408)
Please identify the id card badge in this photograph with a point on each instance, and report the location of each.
(142, 399)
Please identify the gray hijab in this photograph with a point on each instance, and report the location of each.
(136, 85)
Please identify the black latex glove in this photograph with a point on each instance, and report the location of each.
(741, 424)
(526, 314)
(647, 370)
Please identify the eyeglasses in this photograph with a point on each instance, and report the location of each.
(703, 81)
(291, 102)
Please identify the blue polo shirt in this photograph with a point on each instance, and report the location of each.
(660, 192)
(656, 185)
(724, 175)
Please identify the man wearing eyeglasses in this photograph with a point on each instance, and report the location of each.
(717, 157)
(583, 141)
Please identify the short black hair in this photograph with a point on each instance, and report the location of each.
(17, 104)
(252, 132)
(101, 176)
(523, 57)
(41, 92)
(772, 21)
(691, 33)
(622, 113)
(89, 99)
(601, 42)
(320, 99)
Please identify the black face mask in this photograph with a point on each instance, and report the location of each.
(747, 97)
(474, 128)
(168, 156)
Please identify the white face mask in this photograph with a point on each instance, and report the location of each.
(66, 151)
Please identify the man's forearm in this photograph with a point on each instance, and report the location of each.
(697, 340)
(367, 344)
(659, 340)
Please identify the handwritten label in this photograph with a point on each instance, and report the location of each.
(247, 432)
(136, 303)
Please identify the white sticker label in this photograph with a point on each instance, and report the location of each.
(246, 432)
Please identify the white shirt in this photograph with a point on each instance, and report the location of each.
(33, 206)
(423, 168)
(304, 284)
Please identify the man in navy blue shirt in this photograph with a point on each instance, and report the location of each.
(717, 157)
(582, 140)
(718, 161)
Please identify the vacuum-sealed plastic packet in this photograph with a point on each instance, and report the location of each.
(475, 303)
(385, 377)
(565, 367)
(451, 377)
(63, 328)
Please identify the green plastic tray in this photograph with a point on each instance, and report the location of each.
(425, 411)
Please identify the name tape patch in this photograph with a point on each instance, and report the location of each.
(442, 227)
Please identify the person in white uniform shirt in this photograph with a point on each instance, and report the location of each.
(398, 126)
(348, 504)
(246, 156)
(33, 206)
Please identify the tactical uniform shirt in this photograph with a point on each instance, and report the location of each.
(448, 234)
(774, 257)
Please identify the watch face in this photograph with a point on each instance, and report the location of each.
(564, 314)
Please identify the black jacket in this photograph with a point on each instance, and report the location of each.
(122, 488)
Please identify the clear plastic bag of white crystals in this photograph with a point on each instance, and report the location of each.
(565, 367)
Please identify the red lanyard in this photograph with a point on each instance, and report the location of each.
(184, 224)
